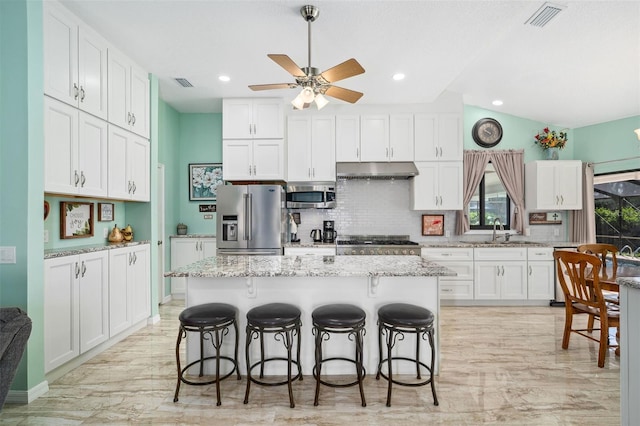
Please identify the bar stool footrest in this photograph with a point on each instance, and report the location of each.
(221, 378)
(298, 376)
(411, 360)
(339, 385)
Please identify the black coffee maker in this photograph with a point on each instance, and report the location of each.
(329, 235)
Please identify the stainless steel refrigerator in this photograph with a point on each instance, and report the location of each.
(251, 219)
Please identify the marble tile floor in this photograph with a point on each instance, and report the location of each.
(500, 365)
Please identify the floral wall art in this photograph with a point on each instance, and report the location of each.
(204, 178)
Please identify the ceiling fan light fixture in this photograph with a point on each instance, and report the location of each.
(307, 95)
(637, 133)
(321, 101)
(298, 103)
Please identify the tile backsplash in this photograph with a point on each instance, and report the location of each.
(381, 207)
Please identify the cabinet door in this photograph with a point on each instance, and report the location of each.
(374, 131)
(184, 251)
(268, 119)
(92, 155)
(401, 137)
(60, 37)
(513, 277)
(299, 149)
(119, 73)
(424, 187)
(237, 119)
(61, 302)
(94, 299)
(347, 138)
(569, 185)
(140, 102)
(139, 282)
(450, 185)
(119, 299)
(426, 137)
(207, 247)
(92, 72)
(268, 156)
(450, 141)
(61, 174)
(540, 280)
(323, 146)
(117, 166)
(237, 159)
(138, 167)
(486, 280)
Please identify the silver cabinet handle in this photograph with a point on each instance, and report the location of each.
(75, 91)
(76, 178)
(84, 268)
(133, 119)
(129, 190)
(135, 258)
(77, 270)
(502, 268)
(358, 152)
(134, 187)
(249, 169)
(530, 270)
(128, 118)
(313, 172)
(387, 153)
(255, 131)
(440, 151)
(436, 148)
(561, 199)
(497, 270)
(81, 94)
(391, 152)
(254, 170)
(82, 179)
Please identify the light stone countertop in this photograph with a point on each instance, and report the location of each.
(192, 236)
(631, 282)
(72, 251)
(312, 266)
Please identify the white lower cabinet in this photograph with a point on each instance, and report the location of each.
(76, 306)
(500, 273)
(129, 287)
(185, 251)
(460, 260)
(540, 273)
(304, 251)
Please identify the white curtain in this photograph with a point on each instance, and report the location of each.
(583, 222)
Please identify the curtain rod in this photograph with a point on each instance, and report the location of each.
(615, 161)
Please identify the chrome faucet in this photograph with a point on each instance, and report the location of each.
(496, 221)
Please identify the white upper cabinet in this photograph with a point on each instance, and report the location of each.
(129, 165)
(311, 148)
(253, 159)
(75, 160)
(260, 118)
(129, 95)
(75, 61)
(553, 185)
(347, 138)
(438, 137)
(401, 136)
(438, 186)
(374, 138)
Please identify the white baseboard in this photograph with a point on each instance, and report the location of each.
(28, 396)
(154, 319)
(166, 299)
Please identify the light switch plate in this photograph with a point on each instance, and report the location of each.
(105, 232)
(8, 254)
(46, 235)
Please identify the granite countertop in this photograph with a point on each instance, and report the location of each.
(312, 266)
(631, 282)
(72, 251)
(307, 244)
(193, 236)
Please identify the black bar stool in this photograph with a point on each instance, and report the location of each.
(211, 321)
(339, 318)
(283, 321)
(394, 320)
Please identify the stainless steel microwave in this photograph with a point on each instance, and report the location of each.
(311, 196)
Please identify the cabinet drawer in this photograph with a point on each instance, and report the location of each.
(443, 254)
(501, 254)
(461, 290)
(540, 253)
(463, 269)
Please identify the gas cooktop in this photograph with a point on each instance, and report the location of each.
(376, 245)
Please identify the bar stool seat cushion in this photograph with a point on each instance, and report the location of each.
(207, 314)
(406, 315)
(338, 315)
(273, 315)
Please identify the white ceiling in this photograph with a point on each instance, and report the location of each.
(582, 68)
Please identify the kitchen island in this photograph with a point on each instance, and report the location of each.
(629, 349)
(311, 281)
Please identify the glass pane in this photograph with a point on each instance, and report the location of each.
(495, 197)
(474, 208)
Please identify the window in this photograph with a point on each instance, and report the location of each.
(490, 201)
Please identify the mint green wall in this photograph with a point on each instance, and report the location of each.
(200, 142)
(52, 223)
(518, 133)
(613, 140)
(21, 173)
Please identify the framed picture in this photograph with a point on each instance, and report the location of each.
(433, 224)
(76, 220)
(204, 178)
(105, 212)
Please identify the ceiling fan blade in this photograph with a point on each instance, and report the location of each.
(285, 62)
(344, 70)
(344, 94)
(272, 86)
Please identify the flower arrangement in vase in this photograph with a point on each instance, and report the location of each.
(551, 141)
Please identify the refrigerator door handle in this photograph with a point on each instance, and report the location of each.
(248, 216)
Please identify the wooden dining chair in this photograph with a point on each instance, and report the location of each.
(579, 275)
(603, 251)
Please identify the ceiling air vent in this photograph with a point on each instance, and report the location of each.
(545, 14)
(183, 82)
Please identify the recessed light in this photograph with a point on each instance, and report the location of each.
(497, 102)
(398, 76)
(224, 78)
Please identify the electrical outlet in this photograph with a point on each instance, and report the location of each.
(527, 232)
(105, 232)
(46, 236)
(447, 233)
(556, 232)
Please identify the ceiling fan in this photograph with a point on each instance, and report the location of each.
(315, 84)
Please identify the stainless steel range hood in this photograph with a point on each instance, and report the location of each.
(376, 170)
